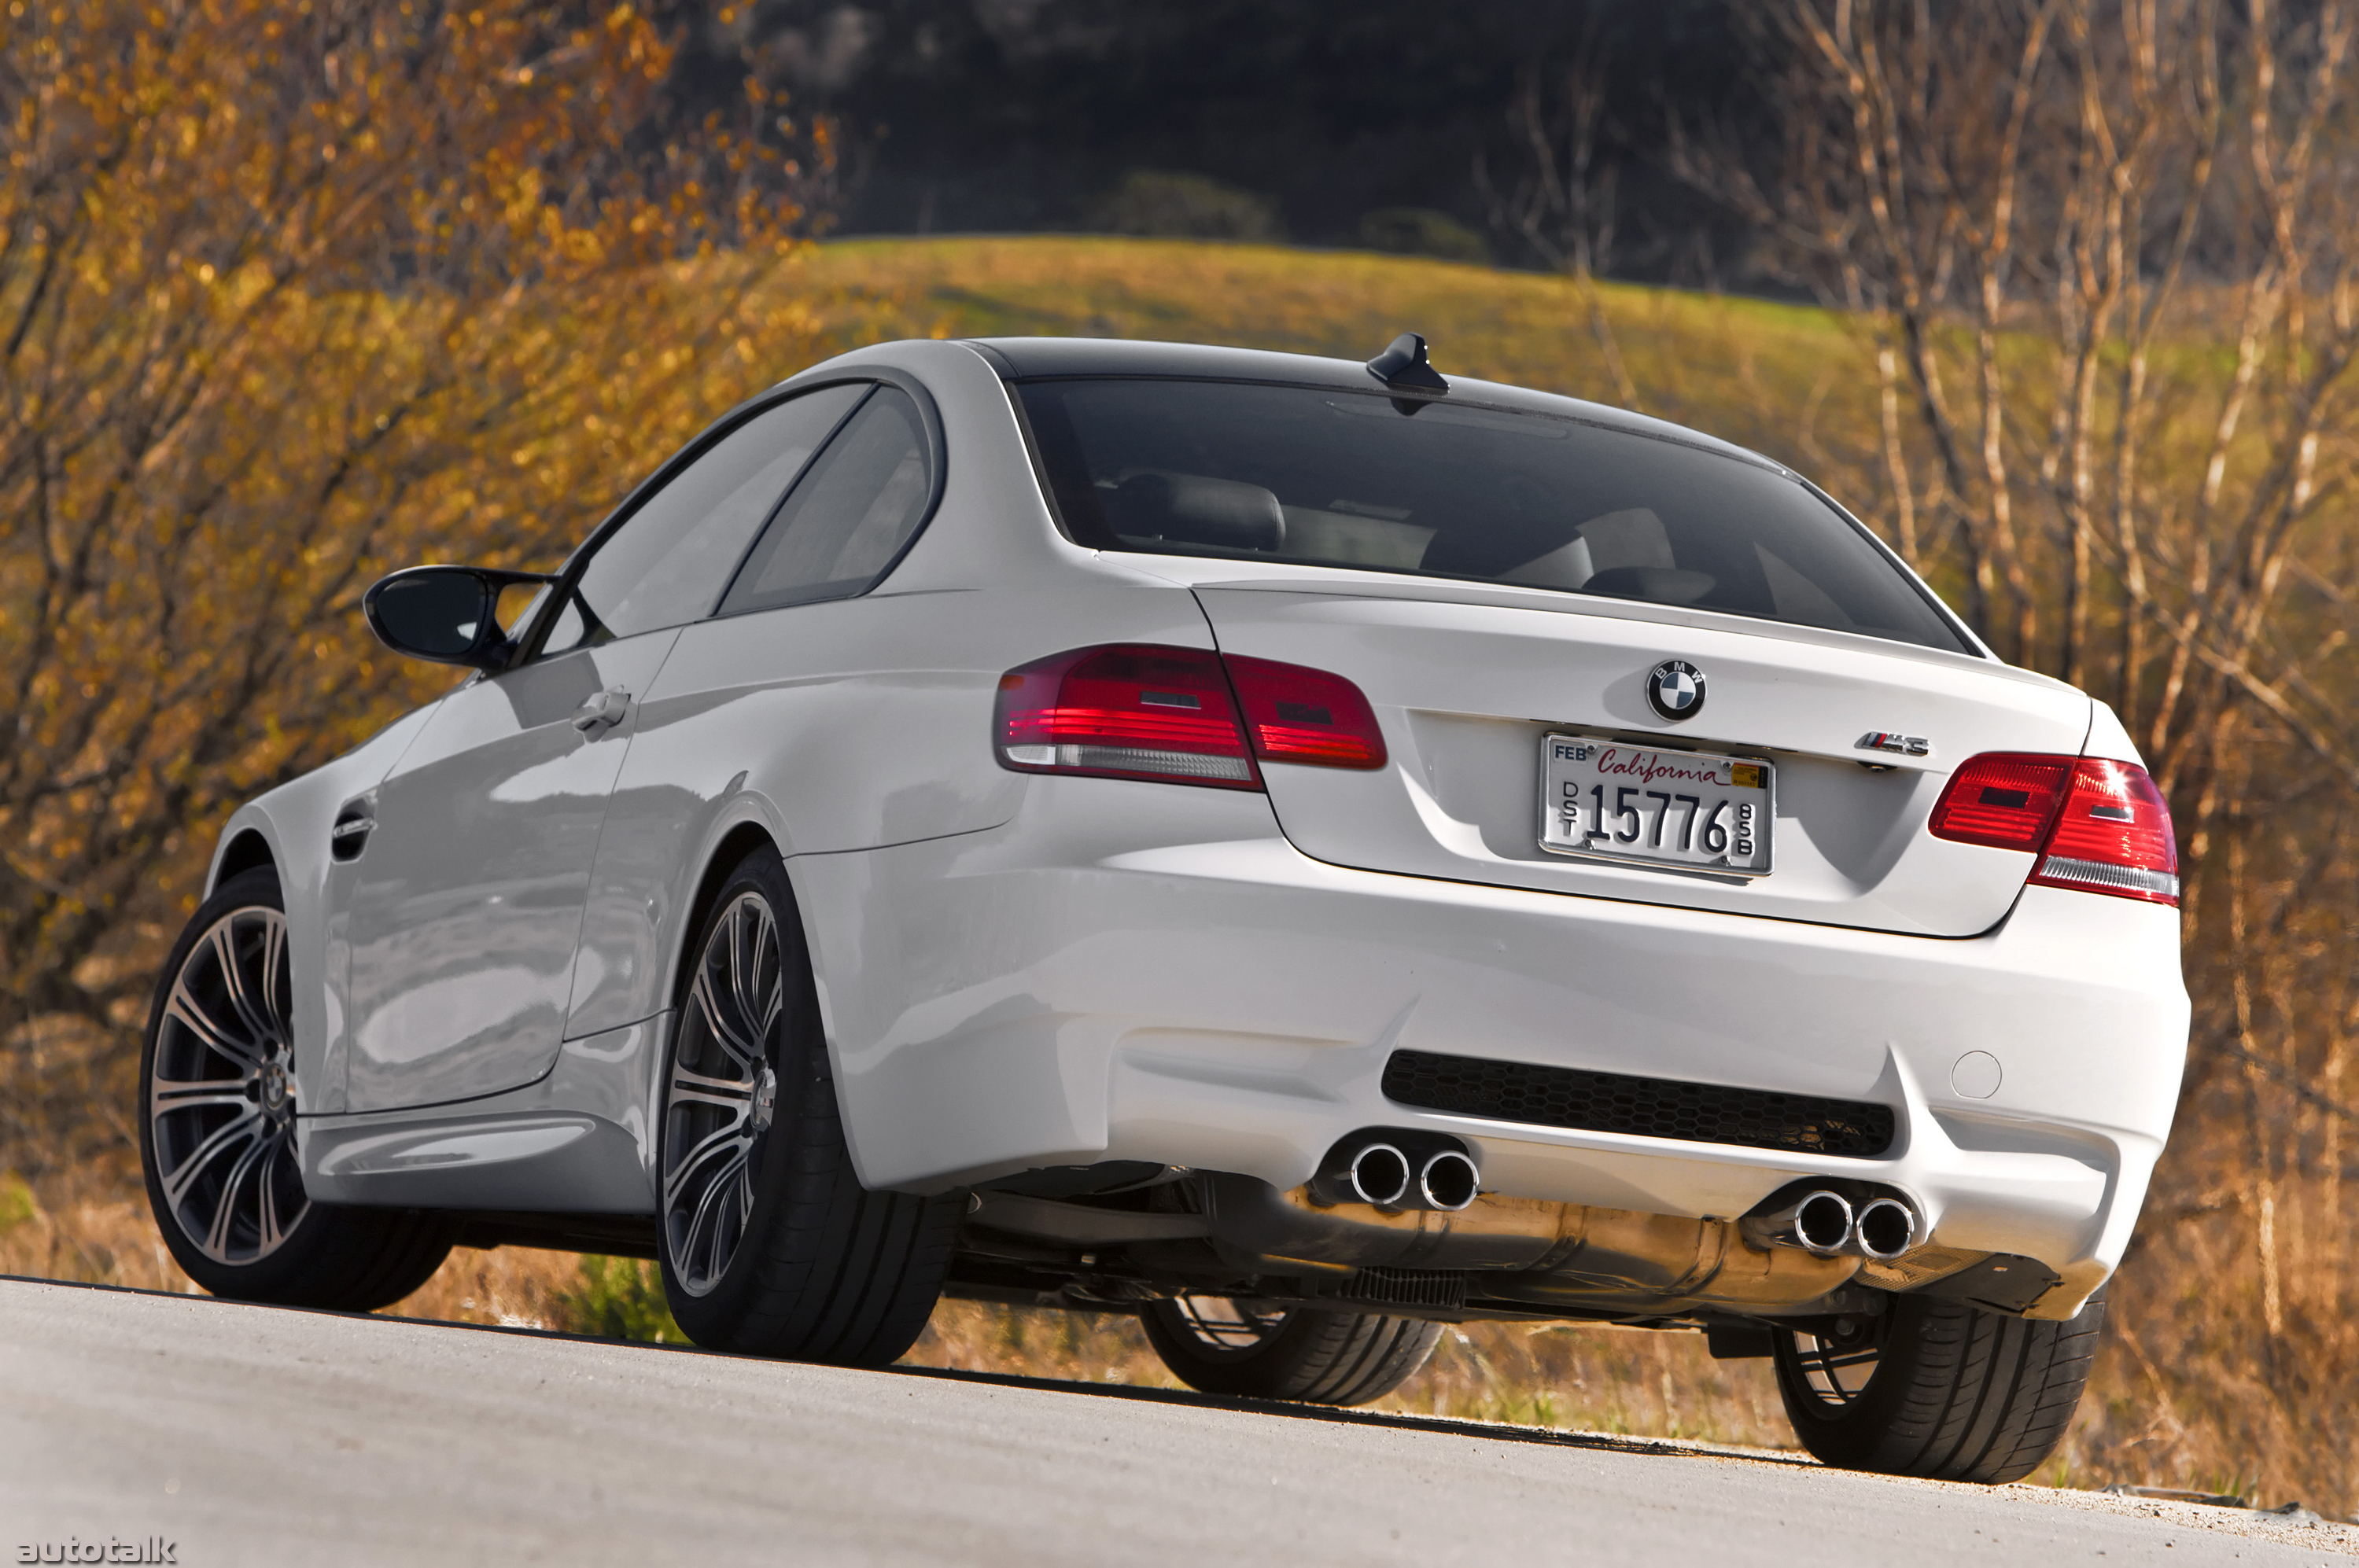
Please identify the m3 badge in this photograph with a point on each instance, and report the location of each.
(1906, 745)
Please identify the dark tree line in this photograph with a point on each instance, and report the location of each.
(1005, 115)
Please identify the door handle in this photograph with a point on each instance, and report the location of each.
(603, 709)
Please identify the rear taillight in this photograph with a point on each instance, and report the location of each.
(2114, 836)
(1298, 715)
(1142, 711)
(2098, 826)
(1130, 711)
(2002, 799)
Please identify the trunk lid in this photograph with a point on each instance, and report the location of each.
(1468, 679)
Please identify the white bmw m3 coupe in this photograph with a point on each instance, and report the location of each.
(1301, 851)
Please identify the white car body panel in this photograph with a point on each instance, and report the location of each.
(463, 918)
(287, 828)
(1019, 971)
(1080, 1028)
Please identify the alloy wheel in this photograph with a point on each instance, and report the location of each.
(1837, 1368)
(721, 1094)
(221, 1098)
(1226, 1324)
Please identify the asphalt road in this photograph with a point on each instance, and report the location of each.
(252, 1435)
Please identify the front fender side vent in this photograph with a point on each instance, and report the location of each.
(351, 834)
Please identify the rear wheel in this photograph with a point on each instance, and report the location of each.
(1937, 1387)
(1259, 1350)
(218, 1100)
(771, 1246)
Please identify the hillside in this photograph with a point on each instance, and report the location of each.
(1783, 379)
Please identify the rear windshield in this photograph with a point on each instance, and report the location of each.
(1339, 478)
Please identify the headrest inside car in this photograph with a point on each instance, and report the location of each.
(1194, 509)
(1657, 585)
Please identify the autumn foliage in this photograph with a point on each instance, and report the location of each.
(292, 294)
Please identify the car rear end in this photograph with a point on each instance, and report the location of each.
(1557, 791)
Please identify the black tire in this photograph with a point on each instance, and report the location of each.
(216, 1128)
(1255, 1350)
(771, 1246)
(1937, 1387)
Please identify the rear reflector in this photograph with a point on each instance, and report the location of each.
(1143, 711)
(1133, 711)
(2098, 826)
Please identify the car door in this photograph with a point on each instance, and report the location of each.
(467, 909)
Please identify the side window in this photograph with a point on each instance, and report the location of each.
(848, 516)
(669, 562)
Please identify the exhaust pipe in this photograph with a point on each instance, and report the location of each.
(1379, 1175)
(1448, 1181)
(1398, 1168)
(1819, 1222)
(1886, 1228)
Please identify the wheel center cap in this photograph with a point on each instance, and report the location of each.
(274, 1088)
(765, 1099)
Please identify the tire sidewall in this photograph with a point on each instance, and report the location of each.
(1853, 1431)
(1865, 1434)
(1263, 1369)
(797, 1054)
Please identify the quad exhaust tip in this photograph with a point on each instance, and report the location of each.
(1398, 1170)
(1884, 1228)
(1824, 1223)
(1379, 1175)
(1448, 1181)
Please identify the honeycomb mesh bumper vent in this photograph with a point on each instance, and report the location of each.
(1643, 1108)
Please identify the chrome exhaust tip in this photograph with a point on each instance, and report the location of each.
(1822, 1223)
(1379, 1175)
(1886, 1228)
(1448, 1181)
(1819, 1223)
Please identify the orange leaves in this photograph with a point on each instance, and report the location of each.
(290, 296)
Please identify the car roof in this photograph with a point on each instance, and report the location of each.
(1045, 358)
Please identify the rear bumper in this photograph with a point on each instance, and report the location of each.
(1137, 972)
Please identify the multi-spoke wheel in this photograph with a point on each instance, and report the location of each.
(1836, 1367)
(219, 1098)
(1260, 1350)
(220, 1104)
(723, 1093)
(1937, 1387)
(770, 1244)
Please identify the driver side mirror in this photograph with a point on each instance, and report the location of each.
(449, 615)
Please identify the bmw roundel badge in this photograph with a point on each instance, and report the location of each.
(1675, 690)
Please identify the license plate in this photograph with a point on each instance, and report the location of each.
(1608, 801)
